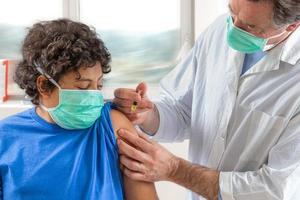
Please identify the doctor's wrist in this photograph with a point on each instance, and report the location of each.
(151, 124)
(174, 164)
(199, 179)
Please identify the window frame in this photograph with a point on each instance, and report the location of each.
(71, 10)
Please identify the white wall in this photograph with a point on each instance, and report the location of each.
(206, 11)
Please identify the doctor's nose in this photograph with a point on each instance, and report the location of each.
(237, 22)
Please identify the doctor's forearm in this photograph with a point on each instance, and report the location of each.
(151, 124)
(199, 179)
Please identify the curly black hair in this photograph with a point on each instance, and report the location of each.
(58, 47)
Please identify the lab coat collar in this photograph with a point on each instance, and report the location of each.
(291, 49)
(270, 62)
(288, 52)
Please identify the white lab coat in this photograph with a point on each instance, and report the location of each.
(248, 127)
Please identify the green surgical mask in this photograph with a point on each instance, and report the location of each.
(77, 109)
(245, 42)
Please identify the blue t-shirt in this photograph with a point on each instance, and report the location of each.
(41, 161)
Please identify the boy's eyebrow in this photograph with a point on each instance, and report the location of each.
(84, 80)
(87, 79)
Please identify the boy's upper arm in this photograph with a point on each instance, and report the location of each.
(134, 190)
(119, 121)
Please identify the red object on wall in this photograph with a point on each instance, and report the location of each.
(5, 64)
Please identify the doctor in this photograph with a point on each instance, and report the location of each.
(236, 98)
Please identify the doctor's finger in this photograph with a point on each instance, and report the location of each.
(129, 94)
(136, 140)
(131, 152)
(145, 137)
(125, 106)
(145, 104)
(132, 164)
(125, 110)
(135, 175)
(124, 103)
(132, 116)
(127, 103)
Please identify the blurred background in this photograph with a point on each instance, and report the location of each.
(146, 38)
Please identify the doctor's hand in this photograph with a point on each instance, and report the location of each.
(125, 98)
(144, 159)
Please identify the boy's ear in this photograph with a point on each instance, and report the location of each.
(41, 84)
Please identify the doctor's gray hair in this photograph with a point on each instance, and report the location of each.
(285, 11)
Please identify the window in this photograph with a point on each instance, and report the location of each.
(206, 13)
(143, 36)
(16, 15)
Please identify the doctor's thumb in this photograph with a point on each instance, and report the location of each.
(142, 89)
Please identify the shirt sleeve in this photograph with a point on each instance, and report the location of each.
(279, 179)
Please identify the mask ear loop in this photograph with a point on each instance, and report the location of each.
(271, 46)
(46, 75)
(41, 71)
